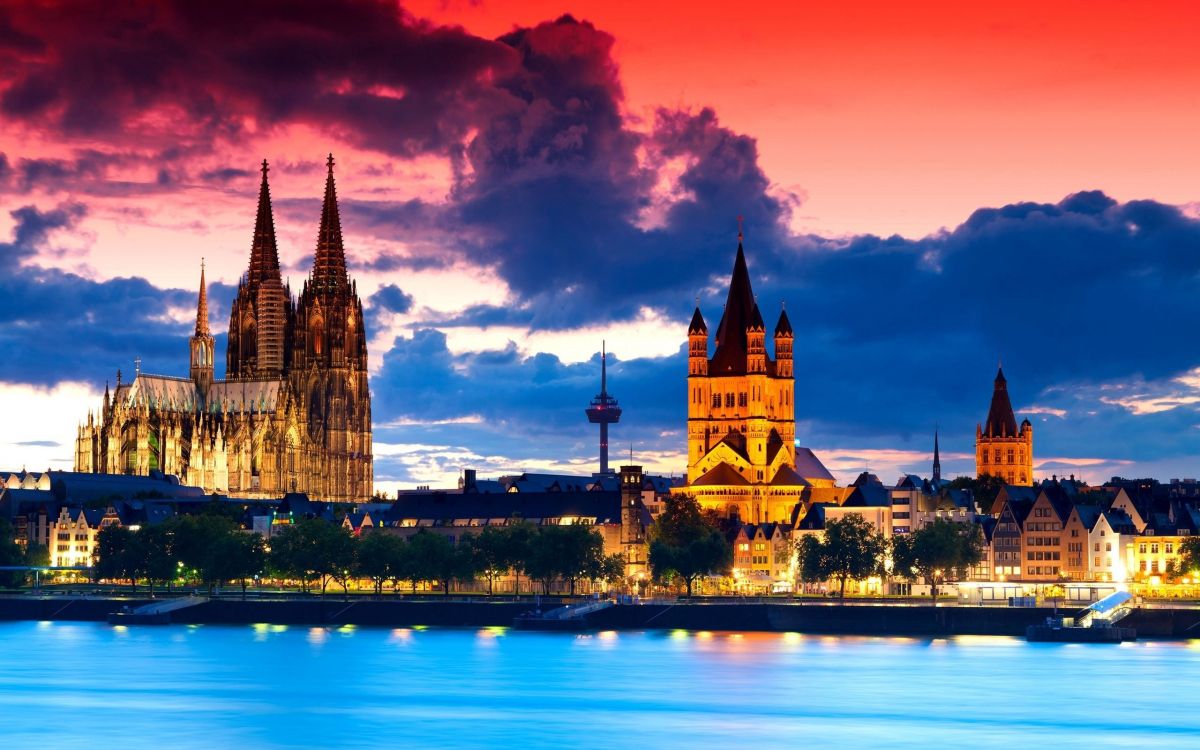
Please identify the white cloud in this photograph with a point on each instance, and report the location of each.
(38, 428)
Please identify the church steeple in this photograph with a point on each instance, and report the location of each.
(260, 318)
(202, 305)
(264, 253)
(732, 344)
(937, 459)
(201, 345)
(329, 265)
(1001, 422)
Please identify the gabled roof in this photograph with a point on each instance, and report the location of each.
(1088, 515)
(809, 466)
(721, 475)
(869, 495)
(787, 477)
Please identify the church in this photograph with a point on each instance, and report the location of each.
(743, 460)
(1002, 449)
(293, 413)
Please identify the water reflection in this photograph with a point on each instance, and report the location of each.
(493, 687)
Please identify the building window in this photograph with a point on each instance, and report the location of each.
(1170, 548)
(729, 400)
(742, 399)
(716, 401)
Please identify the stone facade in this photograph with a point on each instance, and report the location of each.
(294, 411)
(742, 458)
(1001, 448)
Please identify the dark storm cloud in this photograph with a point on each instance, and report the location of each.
(367, 69)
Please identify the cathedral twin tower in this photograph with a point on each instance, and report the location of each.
(293, 413)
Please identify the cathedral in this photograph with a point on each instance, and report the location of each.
(1001, 448)
(742, 455)
(293, 413)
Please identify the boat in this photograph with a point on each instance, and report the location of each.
(1096, 623)
(571, 618)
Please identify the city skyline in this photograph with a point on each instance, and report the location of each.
(543, 192)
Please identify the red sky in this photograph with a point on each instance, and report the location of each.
(905, 117)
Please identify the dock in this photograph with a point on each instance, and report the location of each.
(1096, 623)
(155, 613)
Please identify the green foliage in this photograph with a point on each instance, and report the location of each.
(313, 548)
(850, 549)
(687, 543)
(382, 557)
(10, 554)
(114, 555)
(1189, 556)
(984, 489)
(938, 552)
(433, 557)
(567, 553)
(495, 553)
(239, 556)
(198, 542)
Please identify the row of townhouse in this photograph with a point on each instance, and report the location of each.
(1043, 535)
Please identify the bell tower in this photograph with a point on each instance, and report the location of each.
(202, 344)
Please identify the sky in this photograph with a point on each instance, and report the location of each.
(929, 190)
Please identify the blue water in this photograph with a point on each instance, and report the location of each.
(66, 685)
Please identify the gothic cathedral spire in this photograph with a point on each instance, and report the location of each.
(260, 321)
(329, 265)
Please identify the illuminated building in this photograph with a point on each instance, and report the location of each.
(742, 456)
(73, 535)
(294, 411)
(1001, 449)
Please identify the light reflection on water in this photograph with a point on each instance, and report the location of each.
(273, 686)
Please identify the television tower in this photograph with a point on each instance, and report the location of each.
(604, 411)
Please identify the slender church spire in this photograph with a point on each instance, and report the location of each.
(264, 253)
(329, 266)
(937, 458)
(202, 305)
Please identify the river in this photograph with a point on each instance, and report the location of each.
(67, 685)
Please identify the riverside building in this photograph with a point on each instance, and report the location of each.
(742, 455)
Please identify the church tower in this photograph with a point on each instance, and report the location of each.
(742, 458)
(201, 370)
(260, 321)
(1001, 448)
(329, 359)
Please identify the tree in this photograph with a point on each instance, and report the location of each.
(687, 543)
(580, 552)
(541, 560)
(288, 557)
(850, 549)
(197, 542)
(607, 568)
(1189, 556)
(937, 552)
(10, 554)
(984, 489)
(239, 556)
(518, 536)
(156, 554)
(436, 558)
(493, 553)
(113, 556)
(381, 557)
